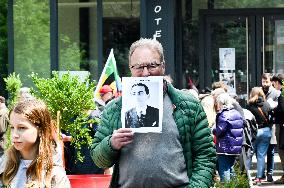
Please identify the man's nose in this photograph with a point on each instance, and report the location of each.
(145, 72)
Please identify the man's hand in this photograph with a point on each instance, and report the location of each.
(121, 137)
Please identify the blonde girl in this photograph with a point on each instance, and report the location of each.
(32, 160)
(260, 108)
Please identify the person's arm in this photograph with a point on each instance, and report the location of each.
(59, 178)
(273, 104)
(102, 152)
(203, 151)
(221, 125)
(110, 137)
(281, 102)
(279, 110)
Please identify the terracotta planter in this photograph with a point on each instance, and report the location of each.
(89, 181)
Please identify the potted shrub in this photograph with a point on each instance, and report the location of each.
(72, 98)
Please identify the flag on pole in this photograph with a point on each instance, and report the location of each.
(109, 77)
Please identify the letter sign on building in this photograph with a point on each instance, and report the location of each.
(157, 21)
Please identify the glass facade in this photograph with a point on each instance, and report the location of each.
(77, 32)
(190, 63)
(31, 21)
(237, 33)
(3, 46)
(228, 51)
(80, 39)
(121, 27)
(224, 4)
(273, 44)
(77, 35)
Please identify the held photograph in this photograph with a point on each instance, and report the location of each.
(142, 103)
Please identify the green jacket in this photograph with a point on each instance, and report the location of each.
(195, 137)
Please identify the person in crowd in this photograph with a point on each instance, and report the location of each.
(185, 144)
(207, 102)
(142, 115)
(260, 108)
(4, 120)
(24, 94)
(192, 92)
(191, 85)
(271, 95)
(249, 127)
(106, 94)
(216, 92)
(219, 84)
(169, 79)
(229, 134)
(249, 136)
(278, 80)
(32, 160)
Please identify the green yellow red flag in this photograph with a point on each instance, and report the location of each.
(109, 77)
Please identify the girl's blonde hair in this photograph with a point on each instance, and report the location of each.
(40, 168)
(255, 93)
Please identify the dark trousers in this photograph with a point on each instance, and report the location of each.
(270, 158)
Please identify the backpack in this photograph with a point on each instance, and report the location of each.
(250, 128)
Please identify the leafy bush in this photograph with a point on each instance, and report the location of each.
(13, 85)
(240, 181)
(73, 99)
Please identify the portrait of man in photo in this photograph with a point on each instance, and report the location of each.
(142, 115)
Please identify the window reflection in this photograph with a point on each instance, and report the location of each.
(31, 38)
(77, 28)
(121, 27)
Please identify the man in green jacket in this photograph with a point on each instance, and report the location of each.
(181, 156)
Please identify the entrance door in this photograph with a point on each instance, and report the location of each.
(237, 46)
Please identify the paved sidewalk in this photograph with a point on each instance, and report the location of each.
(269, 184)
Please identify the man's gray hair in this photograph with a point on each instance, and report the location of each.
(225, 100)
(152, 44)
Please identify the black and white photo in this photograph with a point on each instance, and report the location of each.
(142, 100)
(227, 58)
